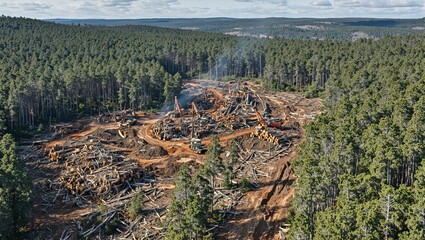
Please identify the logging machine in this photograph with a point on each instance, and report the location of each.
(195, 110)
(177, 108)
(270, 122)
(195, 143)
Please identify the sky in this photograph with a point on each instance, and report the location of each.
(119, 9)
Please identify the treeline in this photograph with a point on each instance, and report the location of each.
(51, 72)
(15, 189)
(289, 28)
(362, 165)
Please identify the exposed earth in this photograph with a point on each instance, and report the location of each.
(256, 214)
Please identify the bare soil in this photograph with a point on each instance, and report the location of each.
(259, 214)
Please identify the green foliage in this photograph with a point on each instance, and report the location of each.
(7, 227)
(52, 72)
(15, 189)
(172, 87)
(187, 215)
(135, 207)
(245, 184)
(233, 154)
(229, 174)
(214, 163)
(312, 91)
(92, 69)
(288, 28)
(227, 182)
(214, 160)
(103, 208)
(112, 226)
(416, 213)
(360, 167)
(360, 163)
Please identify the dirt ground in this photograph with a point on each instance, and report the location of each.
(261, 213)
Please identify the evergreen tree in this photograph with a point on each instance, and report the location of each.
(15, 188)
(360, 160)
(229, 174)
(416, 215)
(187, 216)
(214, 163)
(177, 225)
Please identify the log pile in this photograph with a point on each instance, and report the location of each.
(256, 163)
(225, 200)
(143, 227)
(103, 182)
(157, 130)
(92, 173)
(53, 155)
(252, 165)
(167, 129)
(65, 129)
(267, 135)
(234, 113)
(204, 101)
(118, 116)
(172, 130)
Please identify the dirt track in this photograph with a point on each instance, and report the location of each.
(264, 210)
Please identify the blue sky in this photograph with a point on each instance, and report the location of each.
(214, 8)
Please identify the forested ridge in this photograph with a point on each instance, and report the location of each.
(290, 28)
(362, 165)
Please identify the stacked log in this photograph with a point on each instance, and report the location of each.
(263, 134)
(53, 155)
(93, 173)
(234, 113)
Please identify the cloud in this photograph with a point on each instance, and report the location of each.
(117, 7)
(251, 11)
(158, 6)
(220, 8)
(117, 3)
(159, 2)
(83, 9)
(279, 2)
(321, 3)
(379, 3)
(120, 5)
(35, 7)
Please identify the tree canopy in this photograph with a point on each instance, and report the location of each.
(15, 189)
(361, 165)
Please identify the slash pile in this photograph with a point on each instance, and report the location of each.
(93, 173)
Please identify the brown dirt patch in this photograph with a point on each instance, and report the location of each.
(150, 151)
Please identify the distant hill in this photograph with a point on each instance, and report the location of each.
(293, 28)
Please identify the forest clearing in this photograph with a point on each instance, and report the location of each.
(86, 173)
(169, 128)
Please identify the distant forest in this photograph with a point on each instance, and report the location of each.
(362, 164)
(290, 28)
(53, 72)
